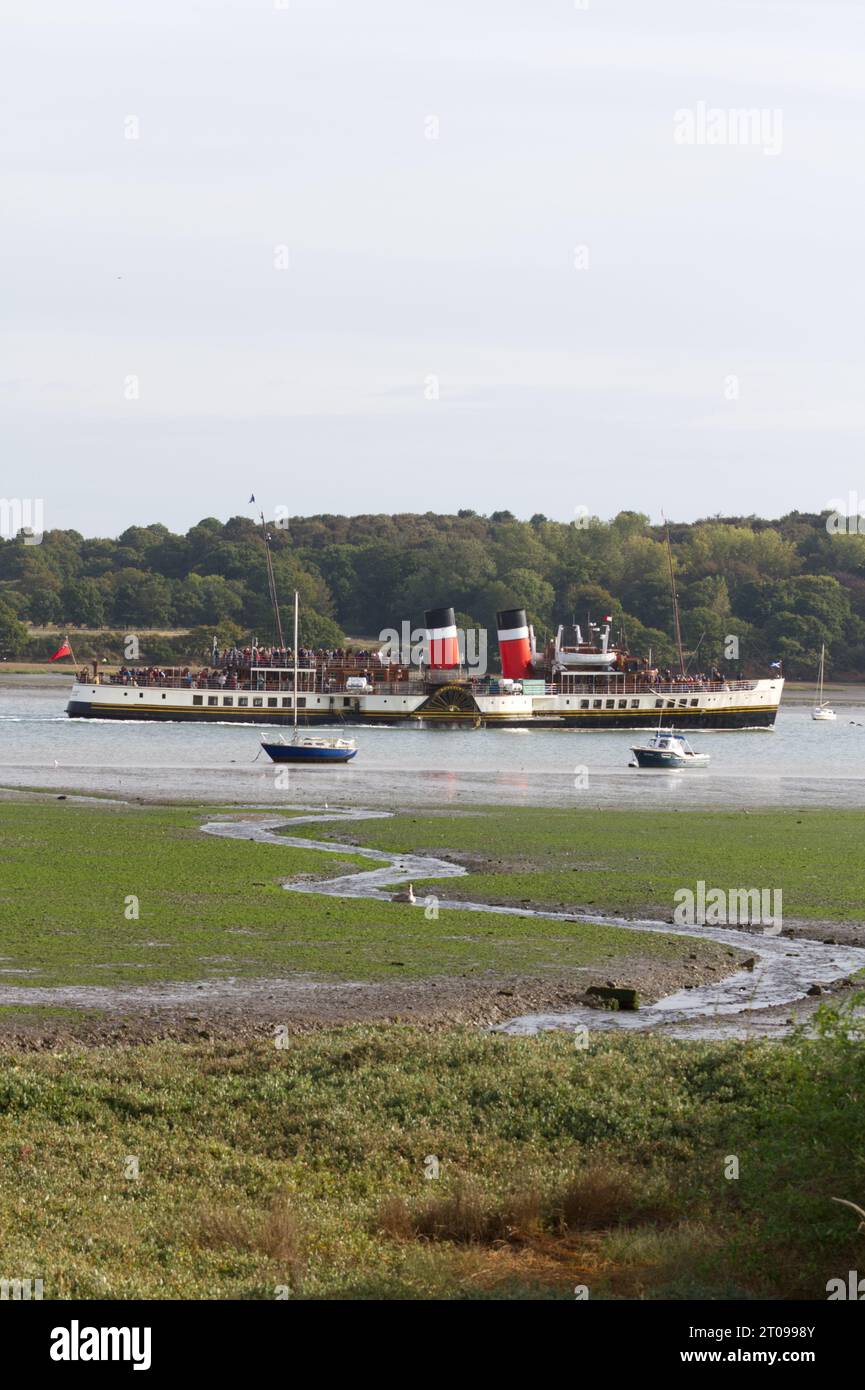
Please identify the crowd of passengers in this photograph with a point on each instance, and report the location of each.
(232, 665)
(215, 678)
(242, 658)
(155, 675)
(221, 677)
(700, 681)
(230, 669)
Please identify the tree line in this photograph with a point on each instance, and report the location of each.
(778, 588)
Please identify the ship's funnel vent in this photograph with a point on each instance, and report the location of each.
(515, 646)
(443, 649)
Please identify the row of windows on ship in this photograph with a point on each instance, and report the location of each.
(272, 702)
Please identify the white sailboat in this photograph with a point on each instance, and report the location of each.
(822, 710)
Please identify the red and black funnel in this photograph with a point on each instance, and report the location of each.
(515, 647)
(443, 649)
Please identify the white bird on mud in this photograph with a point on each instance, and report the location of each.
(406, 897)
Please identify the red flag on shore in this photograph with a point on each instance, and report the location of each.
(63, 650)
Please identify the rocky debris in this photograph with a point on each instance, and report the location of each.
(614, 996)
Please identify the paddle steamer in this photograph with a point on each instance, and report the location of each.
(571, 683)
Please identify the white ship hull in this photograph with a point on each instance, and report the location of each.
(603, 705)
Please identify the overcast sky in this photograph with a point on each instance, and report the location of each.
(488, 201)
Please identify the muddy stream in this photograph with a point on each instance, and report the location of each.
(784, 969)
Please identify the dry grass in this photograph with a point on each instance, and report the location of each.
(275, 1234)
(465, 1215)
(602, 1197)
(606, 1194)
(394, 1219)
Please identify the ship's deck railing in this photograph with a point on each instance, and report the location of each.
(274, 682)
(617, 684)
(327, 681)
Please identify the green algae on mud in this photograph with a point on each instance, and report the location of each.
(633, 862)
(99, 894)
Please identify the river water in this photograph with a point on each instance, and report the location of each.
(801, 762)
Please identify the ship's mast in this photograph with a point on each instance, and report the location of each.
(294, 701)
(675, 596)
(271, 583)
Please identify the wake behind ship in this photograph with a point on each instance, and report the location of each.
(571, 684)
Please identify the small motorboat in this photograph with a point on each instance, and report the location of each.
(668, 749)
(310, 749)
(822, 710)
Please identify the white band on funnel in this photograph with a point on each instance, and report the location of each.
(514, 634)
(441, 634)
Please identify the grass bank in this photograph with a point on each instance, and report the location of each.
(638, 1168)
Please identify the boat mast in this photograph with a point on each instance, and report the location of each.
(271, 583)
(677, 627)
(295, 661)
(822, 660)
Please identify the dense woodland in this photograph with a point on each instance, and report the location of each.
(782, 587)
